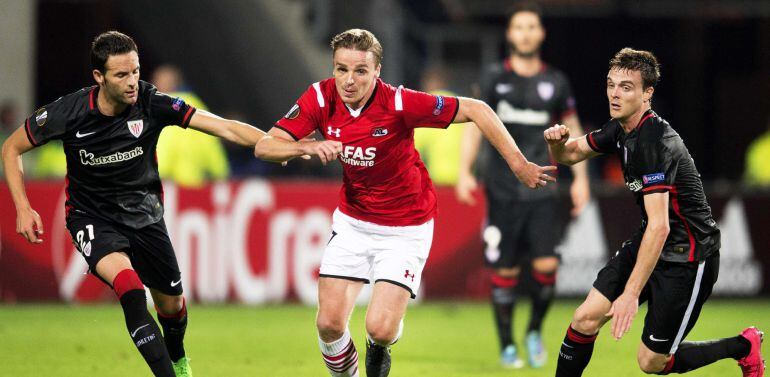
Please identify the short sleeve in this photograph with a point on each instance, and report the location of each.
(48, 122)
(168, 110)
(304, 117)
(604, 140)
(421, 109)
(653, 166)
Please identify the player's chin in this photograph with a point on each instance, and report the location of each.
(129, 100)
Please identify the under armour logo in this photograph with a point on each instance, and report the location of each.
(332, 131)
(407, 275)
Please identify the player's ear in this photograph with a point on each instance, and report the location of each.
(647, 96)
(98, 77)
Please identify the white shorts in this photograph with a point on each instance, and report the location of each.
(363, 251)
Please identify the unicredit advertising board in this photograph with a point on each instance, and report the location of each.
(259, 241)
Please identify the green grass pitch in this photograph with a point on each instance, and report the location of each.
(441, 339)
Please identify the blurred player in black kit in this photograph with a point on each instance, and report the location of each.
(672, 260)
(522, 225)
(114, 206)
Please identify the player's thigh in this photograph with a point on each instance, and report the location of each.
(155, 260)
(97, 241)
(502, 233)
(591, 315)
(336, 298)
(677, 294)
(386, 310)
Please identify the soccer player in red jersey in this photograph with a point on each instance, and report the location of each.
(383, 228)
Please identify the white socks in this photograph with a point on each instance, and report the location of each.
(340, 356)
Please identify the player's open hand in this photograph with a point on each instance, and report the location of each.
(466, 185)
(326, 150)
(29, 225)
(556, 135)
(623, 311)
(535, 176)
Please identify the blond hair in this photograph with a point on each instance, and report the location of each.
(358, 39)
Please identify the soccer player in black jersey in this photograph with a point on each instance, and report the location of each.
(114, 206)
(528, 95)
(672, 260)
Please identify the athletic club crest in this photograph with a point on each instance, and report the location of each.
(136, 127)
(545, 90)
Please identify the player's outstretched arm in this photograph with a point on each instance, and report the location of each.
(624, 308)
(230, 130)
(478, 112)
(28, 222)
(565, 150)
(279, 146)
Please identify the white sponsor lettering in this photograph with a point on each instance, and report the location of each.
(87, 158)
(527, 117)
(358, 156)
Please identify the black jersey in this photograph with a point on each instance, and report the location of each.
(527, 106)
(112, 170)
(655, 159)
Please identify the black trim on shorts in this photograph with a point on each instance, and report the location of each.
(400, 285)
(365, 281)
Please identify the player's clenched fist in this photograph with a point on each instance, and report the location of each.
(326, 150)
(556, 135)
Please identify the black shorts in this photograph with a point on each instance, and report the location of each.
(517, 231)
(675, 293)
(148, 248)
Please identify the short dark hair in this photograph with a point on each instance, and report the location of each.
(358, 39)
(638, 60)
(526, 6)
(110, 43)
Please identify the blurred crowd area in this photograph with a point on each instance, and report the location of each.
(438, 46)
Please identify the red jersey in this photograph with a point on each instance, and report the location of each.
(384, 180)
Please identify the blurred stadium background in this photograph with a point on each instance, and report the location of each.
(249, 235)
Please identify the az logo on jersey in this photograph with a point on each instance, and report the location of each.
(136, 127)
(379, 131)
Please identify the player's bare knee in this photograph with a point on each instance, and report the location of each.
(509, 273)
(650, 362)
(545, 265)
(169, 305)
(382, 330)
(330, 328)
(585, 321)
(382, 334)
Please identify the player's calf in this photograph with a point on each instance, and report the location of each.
(141, 327)
(173, 320)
